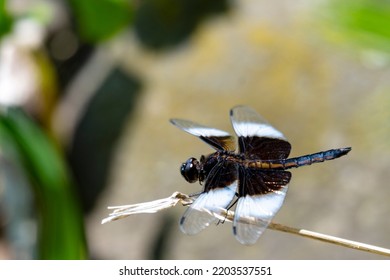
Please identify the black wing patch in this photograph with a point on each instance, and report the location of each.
(256, 137)
(264, 147)
(259, 182)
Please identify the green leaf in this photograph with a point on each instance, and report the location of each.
(61, 230)
(364, 22)
(161, 24)
(100, 20)
(96, 135)
(5, 19)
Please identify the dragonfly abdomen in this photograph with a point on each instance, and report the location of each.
(298, 161)
(315, 158)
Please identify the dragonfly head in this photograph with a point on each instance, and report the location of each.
(190, 170)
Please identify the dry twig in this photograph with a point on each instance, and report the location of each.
(177, 197)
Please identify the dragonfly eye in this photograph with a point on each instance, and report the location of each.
(190, 170)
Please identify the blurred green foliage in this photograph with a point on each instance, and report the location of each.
(61, 230)
(5, 19)
(66, 182)
(364, 22)
(165, 23)
(100, 20)
(98, 131)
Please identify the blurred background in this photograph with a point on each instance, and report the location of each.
(87, 89)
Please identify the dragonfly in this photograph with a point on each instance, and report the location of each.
(251, 175)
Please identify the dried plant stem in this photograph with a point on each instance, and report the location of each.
(332, 239)
(160, 204)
